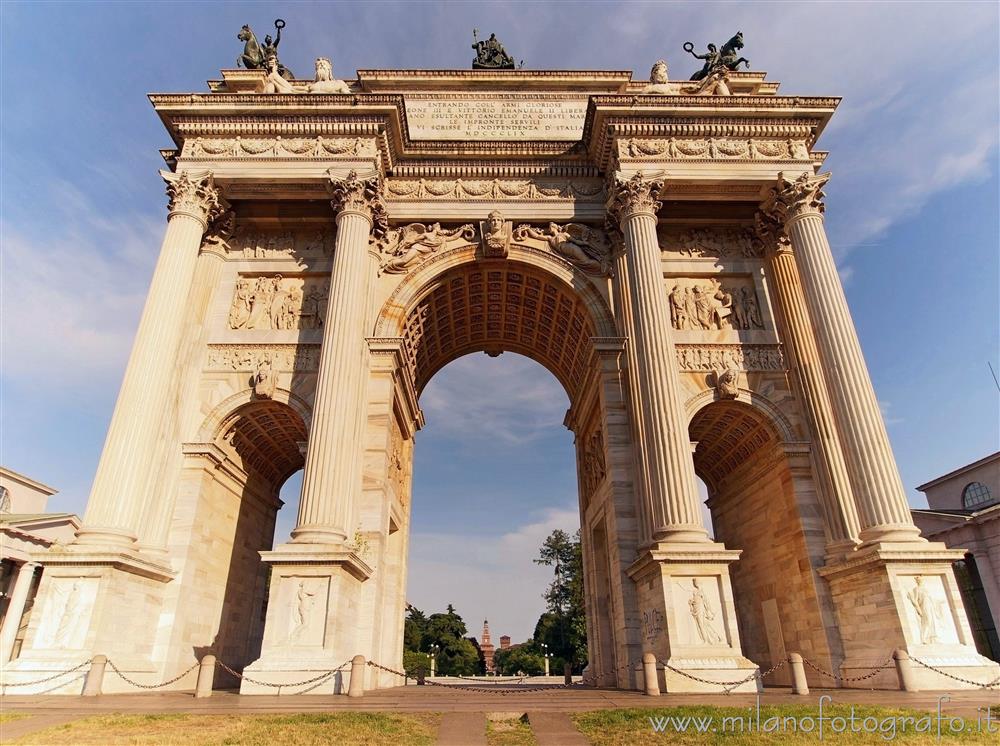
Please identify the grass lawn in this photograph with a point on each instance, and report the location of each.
(635, 727)
(509, 732)
(7, 717)
(344, 729)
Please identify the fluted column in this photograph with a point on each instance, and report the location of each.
(15, 609)
(121, 485)
(837, 498)
(664, 461)
(881, 501)
(332, 480)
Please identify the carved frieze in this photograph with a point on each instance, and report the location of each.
(278, 302)
(708, 304)
(404, 246)
(718, 242)
(723, 357)
(216, 148)
(581, 245)
(495, 189)
(716, 148)
(282, 358)
(593, 465)
(252, 243)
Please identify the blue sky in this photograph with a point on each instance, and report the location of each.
(912, 218)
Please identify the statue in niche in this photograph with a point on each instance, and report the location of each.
(659, 82)
(579, 244)
(325, 82)
(715, 59)
(727, 383)
(926, 609)
(490, 54)
(750, 309)
(496, 235)
(264, 380)
(302, 604)
(67, 620)
(702, 615)
(407, 245)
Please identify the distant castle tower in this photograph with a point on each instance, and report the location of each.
(486, 646)
(504, 642)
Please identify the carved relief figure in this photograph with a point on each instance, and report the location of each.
(594, 467)
(325, 82)
(239, 314)
(220, 232)
(405, 246)
(678, 309)
(302, 603)
(713, 242)
(702, 615)
(652, 623)
(67, 620)
(750, 309)
(277, 303)
(496, 235)
(727, 383)
(579, 244)
(313, 308)
(927, 613)
(264, 380)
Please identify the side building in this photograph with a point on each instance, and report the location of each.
(25, 530)
(964, 512)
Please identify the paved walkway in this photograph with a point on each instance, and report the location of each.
(462, 729)
(555, 729)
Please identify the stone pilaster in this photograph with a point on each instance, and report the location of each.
(664, 463)
(837, 499)
(332, 479)
(122, 483)
(881, 501)
(15, 609)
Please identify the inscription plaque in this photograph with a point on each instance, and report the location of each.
(496, 118)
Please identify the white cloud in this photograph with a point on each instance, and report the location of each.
(487, 577)
(508, 402)
(72, 293)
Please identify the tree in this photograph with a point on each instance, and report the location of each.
(454, 654)
(519, 659)
(563, 628)
(414, 628)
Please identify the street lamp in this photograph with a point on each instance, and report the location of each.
(545, 653)
(434, 652)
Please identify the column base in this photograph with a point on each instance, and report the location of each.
(904, 595)
(92, 601)
(689, 617)
(311, 625)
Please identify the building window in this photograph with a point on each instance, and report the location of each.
(976, 494)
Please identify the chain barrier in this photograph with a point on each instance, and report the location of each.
(168, 682)
(317, 680)
(47, 679)
(886, 665)
(728, 687)
(466, 688)
(991, 685)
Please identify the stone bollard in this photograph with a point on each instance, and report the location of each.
(800, 685)
(206, 675)
(649, 675)
(568, 674)
(357, 686)
(904, 671)
(95, 676)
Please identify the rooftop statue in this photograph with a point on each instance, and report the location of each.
(255, 56)
(719, 60)
(490, 54)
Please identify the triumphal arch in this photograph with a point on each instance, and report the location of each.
(658, 245)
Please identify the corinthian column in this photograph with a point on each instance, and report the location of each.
(881, 502)
(837, 499)
(122, 482)
(332, 479)
(664, 462)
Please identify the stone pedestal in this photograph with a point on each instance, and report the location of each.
(890, 596)
(689, 617)
(312, 620)
(92, 602)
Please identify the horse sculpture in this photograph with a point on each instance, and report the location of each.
(255, 55)
(715, 59)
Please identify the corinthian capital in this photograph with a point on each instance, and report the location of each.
(770, 229)
(804, 195)
(193, 193)
(635, 196)
(360, 195)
